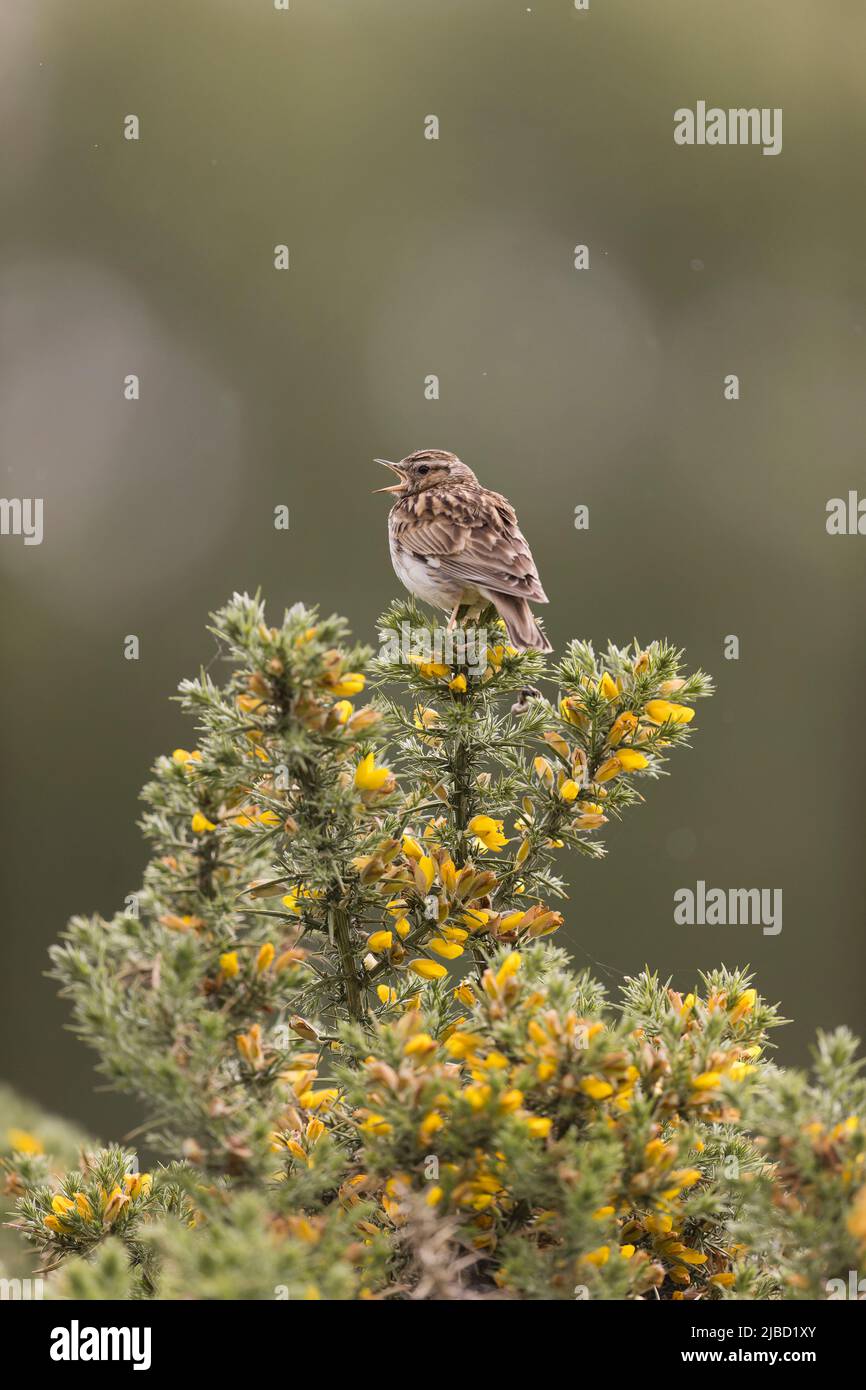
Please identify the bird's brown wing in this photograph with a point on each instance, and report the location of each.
(473, 537)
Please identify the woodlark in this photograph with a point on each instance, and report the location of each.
(454, 543)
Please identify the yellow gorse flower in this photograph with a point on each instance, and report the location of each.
(376, 1124)
(114, 1205)
(448, 950)
(738, 1070)
(509, 967)
(626, 760)
(430, 670)
(631, 761)
(136, 1184)
(596, 1088)
(745, 1004)
(663, 712)
(229, 964)
(424, 872)
(624, 725)
(489, 832)
(369, 777)
(511, 1100)
(707, 1080)
(352, 683)
(511, 921)
(430, 1125)
(322, 1099)
(22, 1142)
(83, 1207)
(249, 1045)
(478, 1095)
(428, 969)
(570, 710)
(265, 957)
(185, 759)
(539, 1126)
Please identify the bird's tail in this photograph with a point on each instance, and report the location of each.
(519, 618)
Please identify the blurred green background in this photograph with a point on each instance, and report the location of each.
(411, 257)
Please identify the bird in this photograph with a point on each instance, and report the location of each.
(455, 542)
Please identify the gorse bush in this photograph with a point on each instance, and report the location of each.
(368, 1067)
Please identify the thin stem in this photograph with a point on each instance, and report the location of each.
(339, 920)
(461, 769)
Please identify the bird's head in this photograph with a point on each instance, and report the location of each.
(425, 469)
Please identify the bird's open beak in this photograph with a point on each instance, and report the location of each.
(395, 468)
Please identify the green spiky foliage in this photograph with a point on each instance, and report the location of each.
(35, 1147)
(279, 848)
(808, 1197)
(367, 1067)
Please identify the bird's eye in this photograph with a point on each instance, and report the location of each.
(423, 468)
